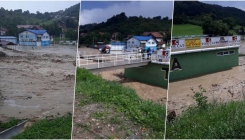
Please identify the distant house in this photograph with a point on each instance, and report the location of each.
(83, 34)
(114, 35)
(3, 31)
(156, 35)
(33, 27)
(142, 42)
(4, 43)
(9, 39)
(34, 38)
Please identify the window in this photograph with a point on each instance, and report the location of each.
(152, 43)
(133, 42)
(219, 53)
(21, 36)
(225, 53)
(232, 52)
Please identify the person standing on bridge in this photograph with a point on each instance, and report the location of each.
(149, 52)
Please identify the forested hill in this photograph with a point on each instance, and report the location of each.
(194, 10)
(124, 25)
(11, 18)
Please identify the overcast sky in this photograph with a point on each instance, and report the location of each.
(236, 4)
(99, 11)
(41, 6)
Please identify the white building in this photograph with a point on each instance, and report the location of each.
(9, 39)
(144, 42)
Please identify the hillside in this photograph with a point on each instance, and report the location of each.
(124, 26)
(220, 20)
(11, 18)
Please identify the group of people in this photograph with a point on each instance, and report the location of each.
(149, 51)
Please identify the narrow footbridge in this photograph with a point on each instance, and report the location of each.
(104, 62)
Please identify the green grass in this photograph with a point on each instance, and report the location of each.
(186, 29)
(10, 123)
(218, 121)
(125, 100)
(57, 128)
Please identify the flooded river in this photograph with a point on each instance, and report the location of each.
(37, 83)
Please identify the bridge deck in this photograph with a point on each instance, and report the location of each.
(116, 61)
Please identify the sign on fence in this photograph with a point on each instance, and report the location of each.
(192, 43)
(205, 42)
(178, 44)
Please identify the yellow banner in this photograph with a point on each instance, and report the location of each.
(192, 43)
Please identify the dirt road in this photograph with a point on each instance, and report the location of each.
(37, 83)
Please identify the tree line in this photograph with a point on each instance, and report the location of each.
(11, 18)
(214, 19)
(124, 26)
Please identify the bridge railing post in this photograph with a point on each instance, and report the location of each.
(128, 59)
(87, 59)
(98, 62)
(114, 60)
(141, 58)
(116, 57)
(102, 60)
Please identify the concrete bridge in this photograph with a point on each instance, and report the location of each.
(105, 62)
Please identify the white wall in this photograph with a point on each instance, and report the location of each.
(133, 43)
(149, 43)
(45, 37)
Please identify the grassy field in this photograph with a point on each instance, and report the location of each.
(209, 121)
(57, 128)
(123, 100)
(189, 29)
(186, 29)
(12, 122)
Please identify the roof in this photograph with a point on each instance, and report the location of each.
(38, 32)
(142, 38)
(146, 33)
(7, 37)
(118, 43)
(156, 34)
(3, 29)
(3, 43)
(29, 26)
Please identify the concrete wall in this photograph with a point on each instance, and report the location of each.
(153, 74)
(198, 63)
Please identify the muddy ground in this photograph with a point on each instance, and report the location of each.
(221, 86)
(36, 83)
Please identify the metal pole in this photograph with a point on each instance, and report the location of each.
(98, 63)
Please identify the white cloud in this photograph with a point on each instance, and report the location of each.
(143, 8)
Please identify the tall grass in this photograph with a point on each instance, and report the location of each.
(57, 128)
(125, 100)
(209, 121)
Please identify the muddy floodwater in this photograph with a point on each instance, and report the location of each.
(38, 82)
(222, 86)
